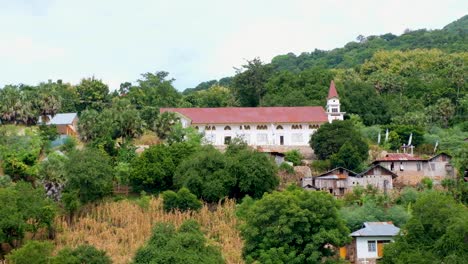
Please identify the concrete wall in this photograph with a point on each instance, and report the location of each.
(362, 250)
(257, 137)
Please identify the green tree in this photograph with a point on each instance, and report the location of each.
(31, 252)
(183, 200)
(330, 137)
(205, 174)
(249, 82)
(83, 254)
(187, 245)
(154, 89)
(93, 94)
(154, 169)
(89, 173)
(347, 157)
(293, 226)
(434, 234)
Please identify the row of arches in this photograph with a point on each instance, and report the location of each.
(262, 127)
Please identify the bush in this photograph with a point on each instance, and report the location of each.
(294, 156)
(69, 144)
(89, 172)
(32, 252)
(286, 167)
(183, 200)
(83, 254)
(293, 226)
(184, 246)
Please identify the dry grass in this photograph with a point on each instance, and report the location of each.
(120, 228)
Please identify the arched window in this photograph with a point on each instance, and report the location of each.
(227, 128)
(279, 127)
(247, 127)
(296, 126)
(213, 128)
(196, 127)
(261, 127)
(313, 126)
(207, 128)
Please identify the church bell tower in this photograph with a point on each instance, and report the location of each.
(333, 104)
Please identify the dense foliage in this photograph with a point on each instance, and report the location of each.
(293, 226)
(187, 245)
(436, 232)
(182, 200)
(211, 175)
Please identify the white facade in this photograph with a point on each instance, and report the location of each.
(277, 134)
(368, 247)
(333, 109)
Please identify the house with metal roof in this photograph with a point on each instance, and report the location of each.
(368, 242)
(340, 180)
(411, 169)
(261, 126)
(66, 123)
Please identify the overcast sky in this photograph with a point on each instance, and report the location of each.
(195, 41)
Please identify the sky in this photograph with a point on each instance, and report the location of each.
(194, 41)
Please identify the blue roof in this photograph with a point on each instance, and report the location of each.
(61, 119)
(377, 229)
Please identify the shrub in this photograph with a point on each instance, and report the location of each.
(286, 167)
(69, 144)
(83, 254)
(294, 156)
(184, 246)
(32, 252)
(183, 200)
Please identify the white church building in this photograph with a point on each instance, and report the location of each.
(261, 126)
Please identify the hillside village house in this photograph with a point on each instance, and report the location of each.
(368, 242)
(412, 169)
(66, 123)
(261, 126)
(340, 180)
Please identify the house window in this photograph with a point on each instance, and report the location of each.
(392, 166)
(401, 166)
(314, 126)
(261, 127)
(240, 127)
(247, 127)
(213, 128)
(279, 127)
(335, 110)
(207, 128)
(418, 166)
(196, 127)
(227, 140)
(296, 126)
(227, 128)
(371, 246)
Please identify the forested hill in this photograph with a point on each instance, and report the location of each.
(452, 38)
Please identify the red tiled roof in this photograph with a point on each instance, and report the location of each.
(236, 115)
(332, 92)
(399, 157)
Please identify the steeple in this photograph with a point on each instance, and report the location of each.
(333, 104)
(332, 91)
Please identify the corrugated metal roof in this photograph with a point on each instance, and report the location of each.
(399, 157)
(238, 115)
(62, 119)
(377, 229)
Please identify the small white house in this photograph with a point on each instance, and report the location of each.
(368, 242)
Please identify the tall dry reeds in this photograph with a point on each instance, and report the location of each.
(120, 228)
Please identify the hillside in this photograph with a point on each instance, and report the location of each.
(450, 39)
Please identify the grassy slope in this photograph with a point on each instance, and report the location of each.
(120, 228)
